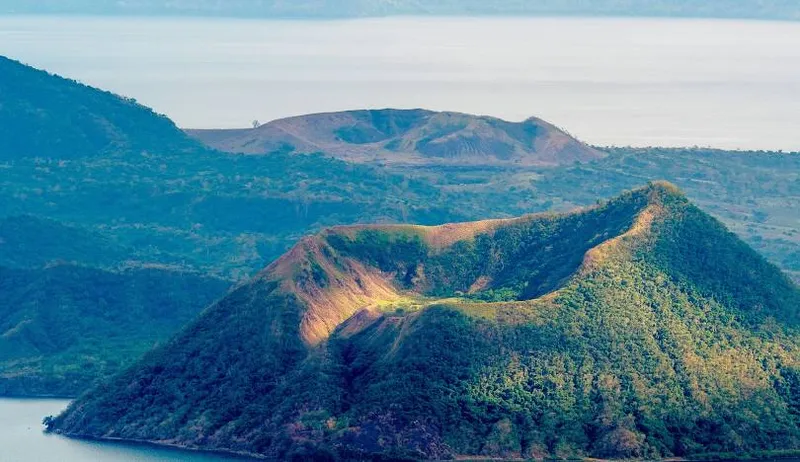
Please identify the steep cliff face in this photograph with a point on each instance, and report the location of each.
(636, 328)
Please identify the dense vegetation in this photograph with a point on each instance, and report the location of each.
(144, 227)
(105, 187)
(763, 9)
(136, 193)
(45, 116)
(230, 215)
(164, 200)
(753, 193)
(65, 326)
(655, 344)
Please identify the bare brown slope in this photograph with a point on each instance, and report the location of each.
(408, 136)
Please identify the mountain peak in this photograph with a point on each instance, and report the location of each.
(345, 269)
(662, 189)
(484, 339)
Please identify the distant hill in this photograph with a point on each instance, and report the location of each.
(43, 115)
(637, 328)
(70, 153)
(408, 137)
(762, 9)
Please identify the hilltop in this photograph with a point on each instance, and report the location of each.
(44, 115)
(636, 328)
(408, 137)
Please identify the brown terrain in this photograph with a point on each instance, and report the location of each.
(413, 136)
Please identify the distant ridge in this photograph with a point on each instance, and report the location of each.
(637, 328)
(414, 136)
(47, 116)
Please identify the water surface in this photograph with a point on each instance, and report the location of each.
(22, 440)
(723, 83)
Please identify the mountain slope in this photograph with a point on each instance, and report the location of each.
(754, 193)
(65, 326)
(44, 115)
(641, 318)
(230, 215)
(74, 308)
(408, 136)
(158, 225)
(225, 216)
(33, 242)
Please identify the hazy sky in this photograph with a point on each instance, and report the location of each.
(731, 84)
(776, 9)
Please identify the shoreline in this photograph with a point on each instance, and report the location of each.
(764, 456)
(162, 445)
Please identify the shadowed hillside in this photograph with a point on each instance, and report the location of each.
(65, 326)
(32, 242)
(637, 328)
(408, 136)
(44, 115)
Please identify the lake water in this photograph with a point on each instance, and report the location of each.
(730, 84)
(22, 440)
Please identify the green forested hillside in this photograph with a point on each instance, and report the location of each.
(665, 335)
(96, 182)
(217, 213)
(144, 226)
(32, 242)
(755, 194)
(75, 308)
(65, 326)
(46, 116)
(228, 215)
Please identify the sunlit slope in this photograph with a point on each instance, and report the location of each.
(636, 328)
